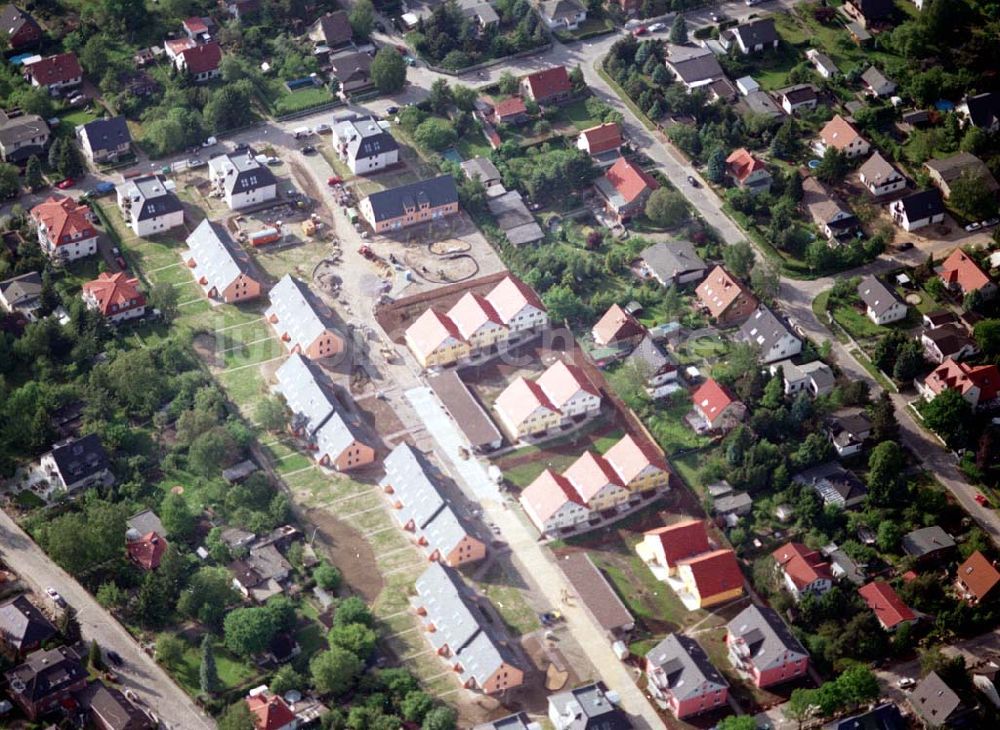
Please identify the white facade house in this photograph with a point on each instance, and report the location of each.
(769, 335)
(563, 14)
(241, 180)
(364, 144)
(149, 205)
(881, 304)
(880, 177)
(918, 210)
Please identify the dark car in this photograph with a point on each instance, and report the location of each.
(392, 110)
(904, 246)
(241, 147)
(308, 150)
(115, 658)
(694, 183)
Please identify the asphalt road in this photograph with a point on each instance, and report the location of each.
(139, 672)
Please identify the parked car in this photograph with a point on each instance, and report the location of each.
(989, 223)
(273, 160)
(392, 110)
(211, 141)
(981, 499)
(65, 184)
(104, 187)
(718, 17)
(334, 180)
(657, 27)
(196, 162)
(904, 246)
(973, 227)
(692, 182)
(54, 595)
(641, 30)
(308, 150)
(241, 147)
(906, 683)
(322, 128)
(115, 658)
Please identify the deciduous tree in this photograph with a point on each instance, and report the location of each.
(388, 70)
(335, 671)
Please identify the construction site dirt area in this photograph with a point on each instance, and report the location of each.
(349, 551)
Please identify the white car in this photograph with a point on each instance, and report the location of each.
(907, 683)
(54, 595)
(322, 128)
(973, 227)
(210, 142)
(657, 27)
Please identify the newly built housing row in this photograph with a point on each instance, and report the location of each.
(559, 395)
(476, 323)
(296, 318)
(219, 270)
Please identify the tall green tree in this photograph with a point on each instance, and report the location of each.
(739, 259)
(679, 30)
(209, 674)
(177, 518)
(388, 70)
(33, 174)
(666, 208)
(362, 19)
(335, 671)
(886, 465)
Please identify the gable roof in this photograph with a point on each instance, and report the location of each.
(742, 163)
(559, 9)
(720, 290)
(961, 269)
(877, 170)
(668, 260)
(978, 575)
(839, 133)
(603, 138)
(877, 296)
(922, 204)
(352, 70)
(107, 134)
(63, 217)
(298, 318)
(802, 565)
(23, 625)
(481, 168)
(110, 709)
(471, 313)
(712, 399)
(592, 708)
(522, 398)
(80, 458)
(680, 540)
(509, 107)
(934, 700)
(115, 292)
(715, 572)
(269, 711)
(510, 296)
(679, 665)
(561, 381)
(798, 94)
(764, 330)
(215, 263)
(960, 376)
(927, 540)
(241, 173)
(873, 9)
(766, 636)
(431, 329)
(12, 19)
(19, 132)
(883, 717)
(393, 203)
(58, 69)
(147, 551)
(45, 673)
(629, 180)
(335, 28)
(202, 59)
(984, 109)
(886, 604)
(694, 66)
(153, 195)
(589, 474)
(617, 325)
(549, 493)
(757, 32)
(875, 78)
(549, 82)
(951, 168)
(651, 358)
(629, 457)
(22, 290)
(304, 394)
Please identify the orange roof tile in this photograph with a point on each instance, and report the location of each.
(960, 376)
(202, 59)
(959, 268)
(715, 572)
(548, 493)
(978, 575)
(682, 540)
(147, 551)
(886, 603)
(630, 456)
(719, 290)
(57, 69)
(65, 220)
(629, 180)
(838, 133)
(603, 138)
(742, 163)
(270, 712)
(802, 565)
(712, 399)
(115, 293)
(549, 82)
(616, 325)
(509, 107)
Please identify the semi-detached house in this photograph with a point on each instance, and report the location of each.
(216, 268)
(105, 140)
(463, 629)
(242, 180)
(679, 672)
(149, 205)
(45, 680)
(410, 205)
(329, 431)
(65, 232)
(762, 647)
(412, 485)
(296, 319)
(559, 395)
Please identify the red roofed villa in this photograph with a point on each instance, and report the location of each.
(201, 62)
(625, 188)
(888, 606)
(115, 296)
(65, 232)
(803, 570)
(664, 547)
(716, 407)
(270, 712)
(708, 579)
(748, 172)
(976, 578)
(146, 551)
(961, 273)
(603, 138)
(725, 298)
(551, 86)
(55, 73)
(978, 384)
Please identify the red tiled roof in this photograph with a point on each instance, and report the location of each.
(195, 25)
(549, 82)
(629, 180)
(959, 268)
(960, 376)
(147, 551)
(978, 575)
(561, 381)
(630, 456)
(548, 493)
(887, 605)
(616, 325)
(719, 290)
(802, 565)
(742, 163)
(714, 573)
(57, 69)
(115, 292)
(63, 217)
(838, 133)
(509, 107)
(269, 712)
(712, 399)
(682, 540)
(589, 474)
(202, 59)
(603, 138)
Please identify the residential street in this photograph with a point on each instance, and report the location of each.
(139, 672)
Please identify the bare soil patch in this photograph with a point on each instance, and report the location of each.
(205, 346)
(347, 549)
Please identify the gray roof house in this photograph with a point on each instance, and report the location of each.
(659, 368)
(735, 504)
(149, 196)
(848, 431)
(757, 35)
(673, 263)
(78, 463)
(760, 644)
(772, 338)
(842, 566)
(21, 294)
(462, 627)
(824, 66)
(21, 136)
(218, 269)
(588, 707)
(937, 704)
(295, 316)
(23, 628)
(563, 14)
(946, 171)
(261, 574)
(145, 522)
(695, 67)
(879, 176)
(104, 140)
(679, 668)
(881, 303)
(814, 377)
(393, 203)
(482, 168)
(834, 485)
(928, 543)
(354, 73)
(332, 30)
(518, 721)
(876, 82)
(412, 483)
(364, 144)
(513, 216)
(242, 180)
(833, 219)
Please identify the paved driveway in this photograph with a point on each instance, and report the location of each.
(139, 672)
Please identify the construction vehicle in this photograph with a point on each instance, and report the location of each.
(265, 236)
(309, 227)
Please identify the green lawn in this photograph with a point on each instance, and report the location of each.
(497, 586)
(289, 102)
(857, 323)
(473, 145)
(233, 671)
(670, 429)
(577, 115)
